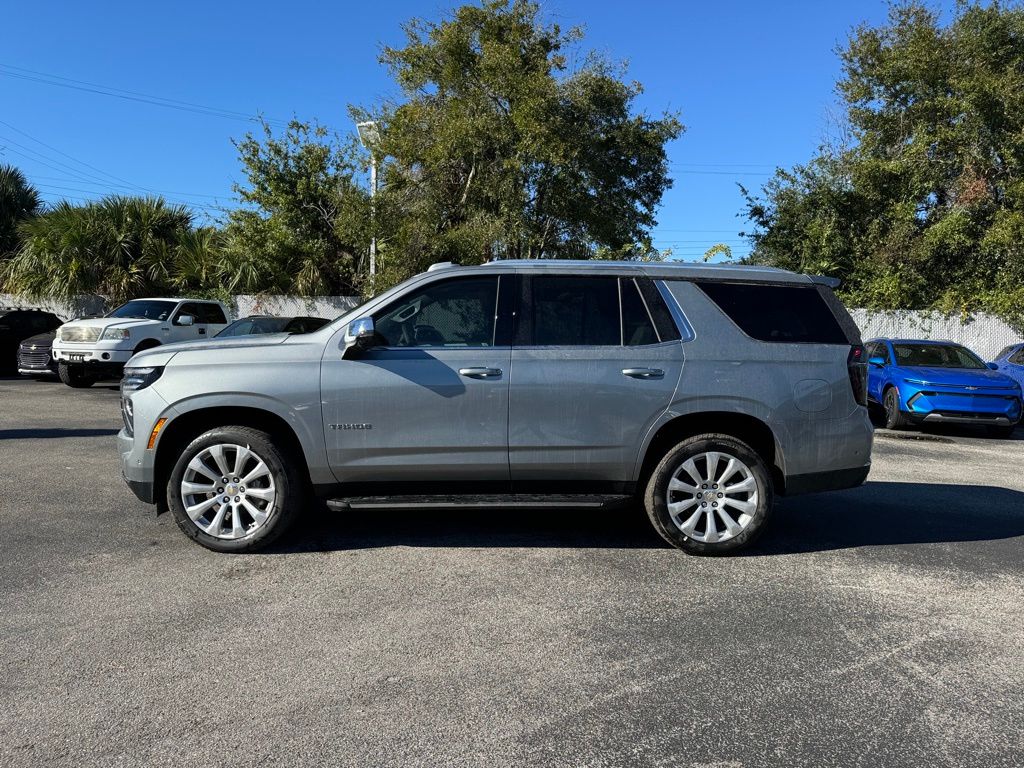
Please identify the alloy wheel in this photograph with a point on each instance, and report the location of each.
(712, 497)
(228, 491)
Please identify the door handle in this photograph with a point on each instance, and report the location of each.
(643, 373)
(202, 331)
(480, 373)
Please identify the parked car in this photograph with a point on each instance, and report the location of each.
(88, 349)
(35, 357)
(18, 324)
(702, 390)
(938, 382)
(257, 324)
(1011, 362)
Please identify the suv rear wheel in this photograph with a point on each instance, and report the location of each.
(233, 490)
(75, 375)
(710, 495)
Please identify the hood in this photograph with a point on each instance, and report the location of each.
(959, 377)
(43, 340)
(161, 355)
(106, 322)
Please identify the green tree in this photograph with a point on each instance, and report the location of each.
(499, 150)
(19, 201)
(305, 225)
(119, 248)
(923, 206)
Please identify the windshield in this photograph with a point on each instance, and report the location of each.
(145, 309)
(248, 326)
(936, 356)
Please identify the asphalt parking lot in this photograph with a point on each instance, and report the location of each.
(879, 626)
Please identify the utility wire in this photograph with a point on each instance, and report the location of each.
(9, 70)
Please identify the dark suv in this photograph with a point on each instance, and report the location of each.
(16, 325)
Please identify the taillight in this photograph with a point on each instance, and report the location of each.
(857, 367)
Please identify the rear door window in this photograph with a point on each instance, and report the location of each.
(637, 327)
(572, 311)
(777, 313)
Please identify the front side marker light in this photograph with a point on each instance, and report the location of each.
(155, 433)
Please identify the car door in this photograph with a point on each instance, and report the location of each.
(877, 375)
(430, 402)
(211, 319)
(590, 376)
(181, 332)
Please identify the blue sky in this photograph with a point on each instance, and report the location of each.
(753, 82)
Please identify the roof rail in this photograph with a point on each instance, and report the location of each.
(441, 265)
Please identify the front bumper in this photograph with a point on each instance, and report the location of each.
(931, 406)
(37, 372)
(88, 354)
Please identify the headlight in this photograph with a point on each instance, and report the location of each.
(118, 334)
(138, 378)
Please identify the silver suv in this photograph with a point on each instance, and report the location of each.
(701, 390)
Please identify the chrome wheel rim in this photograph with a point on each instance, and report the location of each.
(228, 491)
(712, 497)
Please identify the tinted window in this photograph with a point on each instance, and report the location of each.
(145, 310)
(936, 356)
(1004, 352)
(1018, 358)
(453, 313)
(779, 313)
(576, 311)
(210, 313)
(637, 327)
(251, 325)
(305, 324)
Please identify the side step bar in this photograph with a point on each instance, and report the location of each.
(488, 501)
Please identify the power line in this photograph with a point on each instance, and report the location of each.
(65, 154)
(121, 93)
(147, 189)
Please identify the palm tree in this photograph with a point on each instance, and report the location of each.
(19, 201)
(119, 248)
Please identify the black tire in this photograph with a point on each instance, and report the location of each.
(75, 375)
(287, 479)
(656, 496)
(894, 418)
(1001, 432)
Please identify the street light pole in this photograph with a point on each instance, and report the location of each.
(369, 137)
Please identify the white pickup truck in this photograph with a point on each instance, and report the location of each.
(86, 350)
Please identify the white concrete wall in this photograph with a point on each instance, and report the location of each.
(312, 306)
(982, 333)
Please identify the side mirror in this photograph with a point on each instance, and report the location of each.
(993, 366)
(878, 362)
(185, 320)
(360, 336)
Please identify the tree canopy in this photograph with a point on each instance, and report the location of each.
(923, 205)
(498, 149)
(119, 248)
(305, 224)
(19, 201)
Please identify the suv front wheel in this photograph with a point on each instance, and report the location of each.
(710, 495)
(233, 490)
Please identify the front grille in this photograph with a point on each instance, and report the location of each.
(33, 358)
(78, 333)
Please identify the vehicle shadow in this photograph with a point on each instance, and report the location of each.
(876, 514)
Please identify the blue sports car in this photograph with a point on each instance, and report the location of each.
(1011, 362)
(939, 382)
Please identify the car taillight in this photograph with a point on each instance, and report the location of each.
(857, 367)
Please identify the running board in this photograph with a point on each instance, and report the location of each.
(488, 501)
